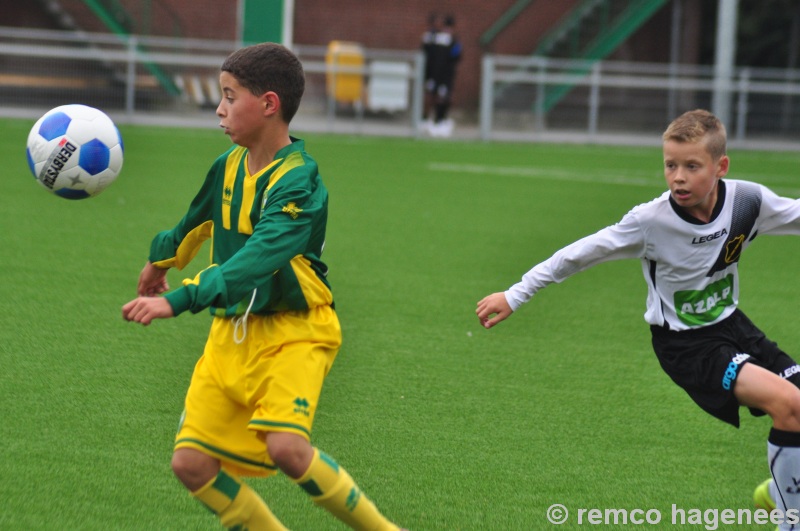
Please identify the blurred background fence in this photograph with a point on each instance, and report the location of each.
(354, 89)
(534, 96)
(174, 81)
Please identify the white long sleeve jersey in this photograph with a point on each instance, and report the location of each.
(691, 268)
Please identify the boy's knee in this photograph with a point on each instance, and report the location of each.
(193, 468)
(793, 406)
(786, 412)
(291, 453)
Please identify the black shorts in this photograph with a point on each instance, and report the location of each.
(705, 362)
(439, 87)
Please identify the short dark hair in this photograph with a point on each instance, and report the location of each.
(268, 67)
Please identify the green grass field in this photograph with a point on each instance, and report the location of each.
(445, 425)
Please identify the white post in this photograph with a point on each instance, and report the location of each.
(240, 22)
(288, 23)
(594, 100)
(487, 96)
(674, 58)
(418, 94)
(741, 108)
(541, 87)
(727, 14)
(130, 77)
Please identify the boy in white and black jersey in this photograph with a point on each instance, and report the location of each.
(689, 241)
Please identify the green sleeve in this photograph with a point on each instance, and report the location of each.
(280, 234)
(176, 247)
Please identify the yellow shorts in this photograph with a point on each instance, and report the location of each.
(270, 382)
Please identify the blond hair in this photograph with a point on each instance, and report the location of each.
(697, 126)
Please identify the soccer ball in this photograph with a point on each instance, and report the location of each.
(75, 151)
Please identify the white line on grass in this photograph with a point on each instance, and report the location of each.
(552, 174)
(558, 174)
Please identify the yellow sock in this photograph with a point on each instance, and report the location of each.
(331, 487)
(237, 505)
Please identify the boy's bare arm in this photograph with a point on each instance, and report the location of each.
(492, 309)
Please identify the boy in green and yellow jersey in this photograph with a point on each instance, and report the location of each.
(251, 402)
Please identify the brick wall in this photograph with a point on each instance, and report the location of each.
(26, 15)
(199, 19)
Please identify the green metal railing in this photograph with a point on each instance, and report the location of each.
(113, 15)
(117, 19)
(501, 23)
(611, 30)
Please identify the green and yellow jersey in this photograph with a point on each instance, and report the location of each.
(267, 233)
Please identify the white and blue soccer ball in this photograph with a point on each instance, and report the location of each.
(75, 151)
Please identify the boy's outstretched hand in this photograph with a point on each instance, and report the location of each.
(152, 281)
(493, 305)
(145, 309)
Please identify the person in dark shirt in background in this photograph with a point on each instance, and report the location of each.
(442, 53)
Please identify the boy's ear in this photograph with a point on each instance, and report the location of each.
(723, 165)
(271, 102)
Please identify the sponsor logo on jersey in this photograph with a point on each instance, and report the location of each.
(744, 213)
(700, 307)
(733, 370)
(226, 195)
(709, 238)
(733, 248)
(56, 162)
(292, 210)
